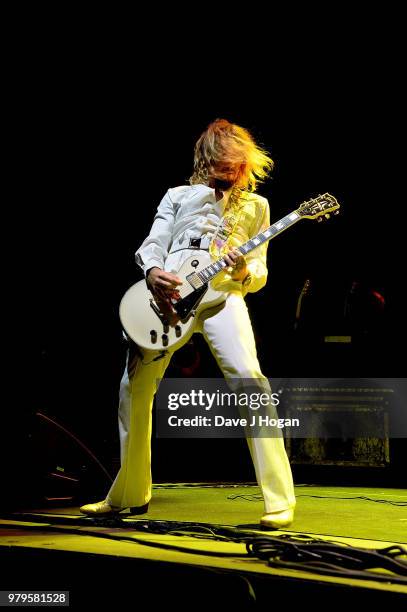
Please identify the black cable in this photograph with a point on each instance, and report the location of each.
(286, 551)
(332, 560)
(205, 485)
(259, 497)
(378, 501)
(247, 496)
(323, 552)
(133, 540)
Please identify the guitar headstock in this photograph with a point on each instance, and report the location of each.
(319, 207)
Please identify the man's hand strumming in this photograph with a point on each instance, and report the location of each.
(163, 284)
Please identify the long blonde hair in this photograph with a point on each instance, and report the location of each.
(227, 142)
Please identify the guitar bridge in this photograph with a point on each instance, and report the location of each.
(167, 317)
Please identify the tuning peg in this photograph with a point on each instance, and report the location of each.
(336, 212)
(327, 216)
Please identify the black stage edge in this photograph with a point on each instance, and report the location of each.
(110, 581)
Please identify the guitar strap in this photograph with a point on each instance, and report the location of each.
(220, 242)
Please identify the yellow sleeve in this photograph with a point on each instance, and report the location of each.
(257, 259)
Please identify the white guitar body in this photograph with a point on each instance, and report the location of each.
(154, 330)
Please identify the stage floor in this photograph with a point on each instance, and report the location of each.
(361, 517)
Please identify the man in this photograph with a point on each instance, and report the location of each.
(218, 211)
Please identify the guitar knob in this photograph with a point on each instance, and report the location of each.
(327, 216)
(336, 212)
(164, 338)
(166, 327)
(178, 331)
(153, 335)
(319, 219)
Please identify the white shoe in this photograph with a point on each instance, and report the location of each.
(103, 508)
(99, 509)
(277, 520)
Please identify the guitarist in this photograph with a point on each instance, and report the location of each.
(217, 212)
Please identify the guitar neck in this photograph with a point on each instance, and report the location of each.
(208, 273)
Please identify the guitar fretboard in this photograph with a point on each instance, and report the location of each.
(208, 273)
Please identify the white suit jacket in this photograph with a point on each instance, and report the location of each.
(191, 211)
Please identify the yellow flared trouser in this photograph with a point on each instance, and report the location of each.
(230, 338)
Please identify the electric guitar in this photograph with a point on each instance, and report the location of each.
(159, 325)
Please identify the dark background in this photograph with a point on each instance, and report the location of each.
(100, 146)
